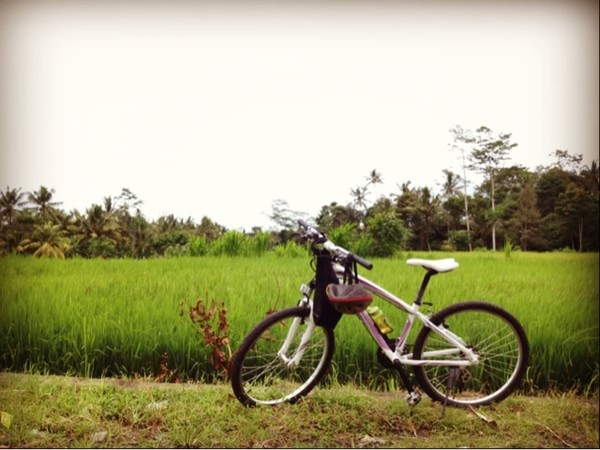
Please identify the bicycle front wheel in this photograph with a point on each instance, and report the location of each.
(282, 359)
(493, 334)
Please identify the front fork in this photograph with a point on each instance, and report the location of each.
(306, 335)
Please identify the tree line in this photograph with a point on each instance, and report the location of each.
(552, 208)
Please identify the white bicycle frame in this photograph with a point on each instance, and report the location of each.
(457, 345)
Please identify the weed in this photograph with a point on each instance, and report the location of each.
(508, 248)
(210, 320)
(166, 374)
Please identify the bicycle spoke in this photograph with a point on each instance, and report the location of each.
(489, 333)
(261, 374)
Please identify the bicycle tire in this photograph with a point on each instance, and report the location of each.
(500, 342)
(259, 376)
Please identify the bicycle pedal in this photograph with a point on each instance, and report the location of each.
(413, 398)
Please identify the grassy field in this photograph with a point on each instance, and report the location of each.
(55, 412)
(118, 317)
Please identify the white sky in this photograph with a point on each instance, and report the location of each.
(219, 108)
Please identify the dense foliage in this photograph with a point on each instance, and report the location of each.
(555, 207)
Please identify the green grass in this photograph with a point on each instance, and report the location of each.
(117, 317)
(53, 412)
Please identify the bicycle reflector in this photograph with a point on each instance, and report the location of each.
(348, 298)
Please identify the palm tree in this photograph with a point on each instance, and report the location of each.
(10, 205)
(109, 205)
(48, 240)
(168, 223)
(428, 209)
(374, 177)
(334, 215)
(138, 234)
(450, 189)
(42, 198)
(360, 195)
(406, 204)
(97, 226)
(11, 230)
(451, 183)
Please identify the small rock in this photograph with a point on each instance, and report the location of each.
(99, 436)
(5, 419)
(370, 441)
(157, 406)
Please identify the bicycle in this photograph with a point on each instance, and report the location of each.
(467, 354)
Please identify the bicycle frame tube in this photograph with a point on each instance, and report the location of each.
(458, 345)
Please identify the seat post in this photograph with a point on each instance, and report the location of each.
(424, 283)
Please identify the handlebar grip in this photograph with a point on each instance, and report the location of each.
(363, 262)
(332, 247)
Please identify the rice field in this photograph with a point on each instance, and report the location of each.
(118, 317)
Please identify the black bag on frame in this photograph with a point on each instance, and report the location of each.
(324, 313)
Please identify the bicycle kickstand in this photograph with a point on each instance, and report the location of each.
(453, 374)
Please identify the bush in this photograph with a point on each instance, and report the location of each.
(177, 251)
(291, 249)
(102, 247)
(260, 243)
(199, 246)
(458, 240)
(344, 235)
(387, 233)
(232, 243)
(363, 246)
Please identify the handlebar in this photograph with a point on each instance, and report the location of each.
(316, 235)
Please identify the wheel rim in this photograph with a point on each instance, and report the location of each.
(499, 349)
(265, 377)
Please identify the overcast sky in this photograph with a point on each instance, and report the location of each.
(218, 108)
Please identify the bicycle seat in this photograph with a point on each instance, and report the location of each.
(437, 265)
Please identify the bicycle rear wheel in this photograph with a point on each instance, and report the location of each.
(273, 365)
(496, 337)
